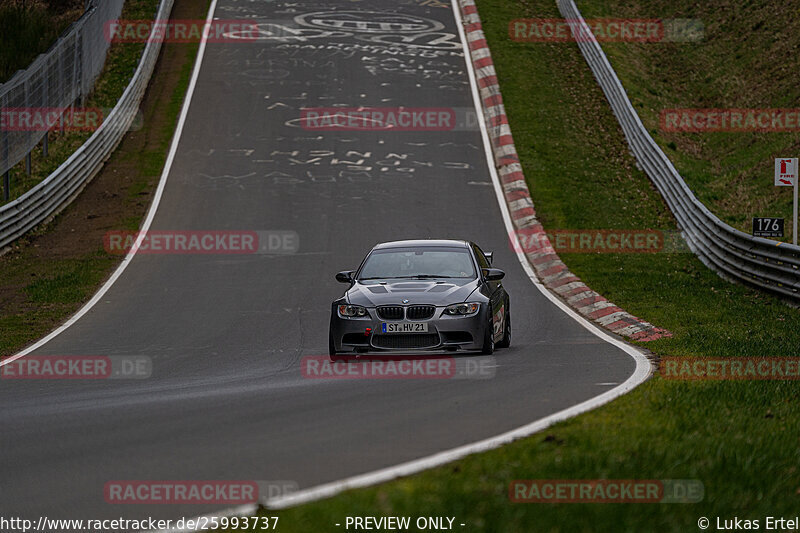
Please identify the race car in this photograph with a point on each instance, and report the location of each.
(421, 296)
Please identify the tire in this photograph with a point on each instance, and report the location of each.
(505, 342)
(488, 339)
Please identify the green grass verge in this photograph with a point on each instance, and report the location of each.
(50, 296)
(740, 439)
(120, 65)
(742, 61)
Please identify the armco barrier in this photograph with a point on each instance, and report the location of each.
(770, 265)
(544, 260)
(57, 190)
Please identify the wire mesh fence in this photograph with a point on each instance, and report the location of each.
(53, 82)
(56, 191)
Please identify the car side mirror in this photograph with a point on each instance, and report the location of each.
(345, 276)
(493, 274)
(489, 256)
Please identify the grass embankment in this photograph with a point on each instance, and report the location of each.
(51, 272)
(740, 439)
(746, 60)
(120, 65)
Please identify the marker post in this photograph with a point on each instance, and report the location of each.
(785, 176)
(794, 216)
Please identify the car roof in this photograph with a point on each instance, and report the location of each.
(415, 243)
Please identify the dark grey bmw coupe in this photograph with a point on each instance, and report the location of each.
(421, 295)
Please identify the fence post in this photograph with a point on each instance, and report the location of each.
(28, 133)
(80, 51)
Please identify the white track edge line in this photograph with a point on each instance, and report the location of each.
(151, 213)
(640, 374)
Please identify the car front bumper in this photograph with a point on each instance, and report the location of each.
(445, 332)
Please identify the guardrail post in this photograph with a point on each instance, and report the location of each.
(6, 184)
(44, 143)
(28, 164)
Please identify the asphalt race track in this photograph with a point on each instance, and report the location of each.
(226, 333)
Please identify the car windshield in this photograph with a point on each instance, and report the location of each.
(419, 263)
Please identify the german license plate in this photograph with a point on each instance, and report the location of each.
(404, 327)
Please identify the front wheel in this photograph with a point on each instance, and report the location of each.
(505, 342)
(488, 339)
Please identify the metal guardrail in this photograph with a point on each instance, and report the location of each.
(767, 264)
(57, 190)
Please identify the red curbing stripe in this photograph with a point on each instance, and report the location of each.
(511, 177)
(651, 334)
(477, 44)
(483, 62)
(472, 26)
(487, 81)
(508, 160)
(588, 301)
(516, 195)
(594, 315)
(524, 212)
(493, 100)
(576, 290)
(545, 259)
(554, 270)
(564, 281)
(497, 120)
(624, 323)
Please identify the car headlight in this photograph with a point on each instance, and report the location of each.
(462, 309)
(349, 311)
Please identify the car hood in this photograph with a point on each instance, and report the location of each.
(430, 292)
